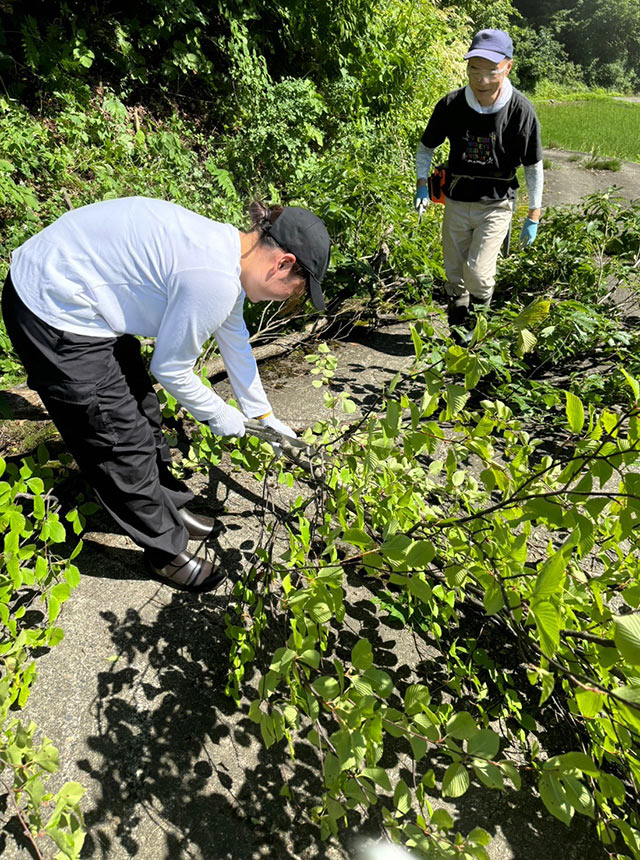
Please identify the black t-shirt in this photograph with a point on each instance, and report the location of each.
(486, 146)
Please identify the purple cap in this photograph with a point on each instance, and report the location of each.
(494, 45)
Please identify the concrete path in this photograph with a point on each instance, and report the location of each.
(566, 182)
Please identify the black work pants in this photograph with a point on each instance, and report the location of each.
(100, 397)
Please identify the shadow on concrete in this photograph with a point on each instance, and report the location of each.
(163, 719)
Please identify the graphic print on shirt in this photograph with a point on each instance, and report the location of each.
(479, 149)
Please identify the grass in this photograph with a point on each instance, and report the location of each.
(602, 162)
(598, 125)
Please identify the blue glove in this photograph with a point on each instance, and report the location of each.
(528, 234)
(422, 197)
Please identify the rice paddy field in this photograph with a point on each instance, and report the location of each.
(606, 126)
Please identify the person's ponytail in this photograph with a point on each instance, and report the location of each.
(262, 215)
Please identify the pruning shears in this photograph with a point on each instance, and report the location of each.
(293, 449)
(421, 207)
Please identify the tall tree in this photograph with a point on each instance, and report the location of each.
(604, 37)
(537, 12)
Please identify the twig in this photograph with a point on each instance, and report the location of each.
(24, 824)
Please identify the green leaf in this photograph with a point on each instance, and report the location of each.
(489, 774)
(332, 770)
(362, 685)
(53, 609)
(266, 730)
(57, 532)
(626, 636)
(358, 538)
(311, 658)
(633, 384)
(455, 780)
(282, 658)
(456, 397)
(70, 793)
(493, 599)
(511, 772)
(420, 554)
(39, 510)
(578, 796)
(419, 588)
(355, 792)
(525, 342)
(319, 610)
(379, 776)
(575, 412)
(533, 314)
(416, 698)
(35, 789)
(479, 836)
(578, 761)
(548, 624)
(441, 819)
(548, 680)
(555, 798)
(396, 546)
(362, 655)
(418, 343)
(418, 747)
(381, 681)
(479, 331)
(326, 687)
(631, 596)
(47, 758)
(402, 798)
(485, 743)
(61, 591)
(590, 703)
(72, 575)
(628, 693)
(551, 577)
(611, 786)
(461, 726)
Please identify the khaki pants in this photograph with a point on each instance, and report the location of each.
(472, 235)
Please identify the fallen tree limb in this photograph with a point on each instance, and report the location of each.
(21, 403)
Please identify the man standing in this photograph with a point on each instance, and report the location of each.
(492, 129)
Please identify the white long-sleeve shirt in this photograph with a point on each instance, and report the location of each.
(147, 267)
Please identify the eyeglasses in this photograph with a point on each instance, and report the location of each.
(481, 74)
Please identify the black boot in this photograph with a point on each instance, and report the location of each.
(457, 317)
(480, 304)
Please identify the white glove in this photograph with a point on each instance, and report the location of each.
(277, 425)
(230, 422)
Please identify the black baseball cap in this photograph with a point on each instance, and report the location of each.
(303, 234)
